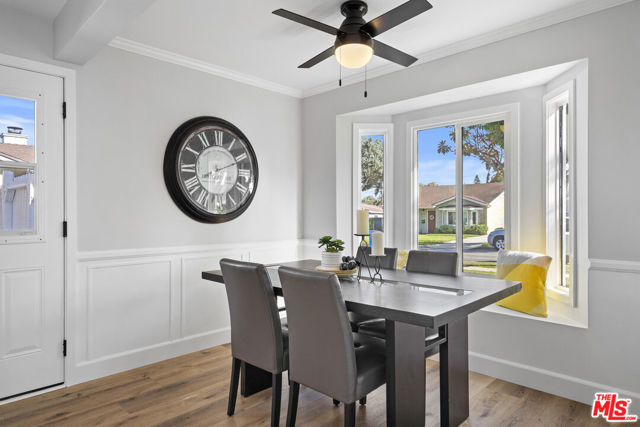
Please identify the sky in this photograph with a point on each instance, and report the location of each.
(17, 112)
(441, 168)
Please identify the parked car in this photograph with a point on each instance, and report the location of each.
(496, 238)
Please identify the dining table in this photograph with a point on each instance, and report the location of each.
(409, 302)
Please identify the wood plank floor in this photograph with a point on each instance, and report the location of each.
(192, 390)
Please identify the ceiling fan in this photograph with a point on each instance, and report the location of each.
(355, 42)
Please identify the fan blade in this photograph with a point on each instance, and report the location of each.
(318, 58)
(395, 16)
(306, 21)
(392, 54)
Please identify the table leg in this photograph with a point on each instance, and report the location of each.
(254, 379)
(405, 373)
(454, 374)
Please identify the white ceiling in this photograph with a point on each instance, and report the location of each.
(244, 36)
(45, 9)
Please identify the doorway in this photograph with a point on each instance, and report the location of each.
(32, 249)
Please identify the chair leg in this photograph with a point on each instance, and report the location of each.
(350, 414)
(363, 401)
(294, 389)
(233, 386)
(336, 402)
(276, 394)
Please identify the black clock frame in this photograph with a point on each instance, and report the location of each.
(171, 169)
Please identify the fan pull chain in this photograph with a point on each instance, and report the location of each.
(340, 68)
(365, 81)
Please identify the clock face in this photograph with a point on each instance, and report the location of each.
(213, 170)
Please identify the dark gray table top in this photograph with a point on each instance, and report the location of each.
(422, 299)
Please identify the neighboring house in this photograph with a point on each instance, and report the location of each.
(483, 204)
(376, 216)
(17, 190)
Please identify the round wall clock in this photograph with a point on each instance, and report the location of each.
(210, 170)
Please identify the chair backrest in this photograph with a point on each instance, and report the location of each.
(256, 330)
(387, 262)
(433, 262)
(321, 352)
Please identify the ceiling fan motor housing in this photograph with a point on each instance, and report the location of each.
(349, 31)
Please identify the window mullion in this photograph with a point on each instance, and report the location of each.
(459, 196)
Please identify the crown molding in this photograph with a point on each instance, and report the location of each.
(546, 20)
(205, 67)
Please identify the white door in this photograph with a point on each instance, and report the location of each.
(31, 241)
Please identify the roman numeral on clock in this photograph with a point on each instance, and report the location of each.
(203, 139)
(191, 183)
(241, 188)
(233, 202)
(219, 137)
(188, 167)
(192, 150)
(244, 173)
(231, 144)
(241, 157)
(201, 196)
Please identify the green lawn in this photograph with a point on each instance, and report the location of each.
(433, 239)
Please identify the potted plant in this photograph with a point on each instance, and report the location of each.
(332, 252)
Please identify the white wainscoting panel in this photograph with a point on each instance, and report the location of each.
(134, 307)
(128, 306)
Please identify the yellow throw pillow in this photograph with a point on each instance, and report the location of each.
(401, 263)
(530, 269)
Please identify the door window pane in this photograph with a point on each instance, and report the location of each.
(372, 179)
(437, 189)
(17, 166)
(483, 190)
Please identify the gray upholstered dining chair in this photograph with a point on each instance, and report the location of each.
(323, 353)
(258, 336)
(430, 262)
(387, 262)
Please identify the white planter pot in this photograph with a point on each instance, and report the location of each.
(331, 260)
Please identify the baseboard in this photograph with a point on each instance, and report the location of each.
(541, 379)
(90, 370)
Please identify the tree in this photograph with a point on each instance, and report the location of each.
(372, 165)
(370, 200)
(476, 180)
(431, 184)
(485, 142)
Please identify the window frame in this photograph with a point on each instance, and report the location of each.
(509, 113)
(386, 130)
(569, 295)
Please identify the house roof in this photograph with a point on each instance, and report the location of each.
(431, 195)
(371, 208)
(23, 153)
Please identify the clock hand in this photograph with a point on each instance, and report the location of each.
(228, 166)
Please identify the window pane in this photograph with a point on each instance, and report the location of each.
(437, 189)
(565, 196)
(372, 179)
(483, 190)
(17, 166)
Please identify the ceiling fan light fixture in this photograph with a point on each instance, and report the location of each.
(353, 55)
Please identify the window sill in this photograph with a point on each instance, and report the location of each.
(559, 313)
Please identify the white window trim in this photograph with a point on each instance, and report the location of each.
(510, 113)
(576, 296)
(386, 130)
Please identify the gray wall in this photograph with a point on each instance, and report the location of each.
(128, 107)
(606, 352)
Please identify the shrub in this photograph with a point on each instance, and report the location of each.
(445, 229)
(480, 229)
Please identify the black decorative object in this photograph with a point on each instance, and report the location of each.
(376, 268)
(354, 30)
(363, 245)
(210, 170)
